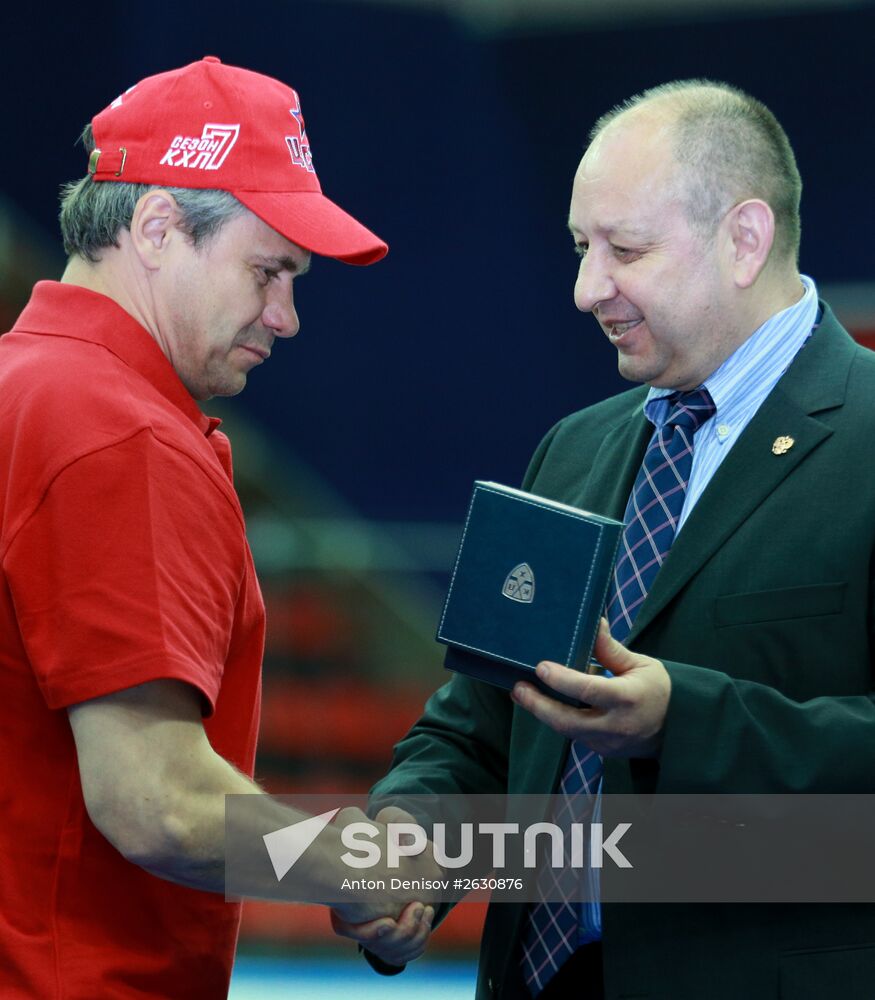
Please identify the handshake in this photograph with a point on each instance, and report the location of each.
(393, 925)
(379, 876)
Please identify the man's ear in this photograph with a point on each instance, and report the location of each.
(153, 227)
(752, 233)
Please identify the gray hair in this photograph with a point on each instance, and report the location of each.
(730, 147)
(93, 213)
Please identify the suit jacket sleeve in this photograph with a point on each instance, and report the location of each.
(756, 739)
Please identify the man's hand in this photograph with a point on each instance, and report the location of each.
(625, 714)
(395, 942)
(400, 940)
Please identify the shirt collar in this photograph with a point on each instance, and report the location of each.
(98, 319)
(756, 364)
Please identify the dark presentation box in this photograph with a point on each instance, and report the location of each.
(529, 584)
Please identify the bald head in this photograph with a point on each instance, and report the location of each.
(727, 147)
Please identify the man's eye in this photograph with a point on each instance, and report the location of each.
(265, 274)
(581, 249)
(624, 253)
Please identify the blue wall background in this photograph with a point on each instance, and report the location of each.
(450, 359)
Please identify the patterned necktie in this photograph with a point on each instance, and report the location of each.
(555, 930)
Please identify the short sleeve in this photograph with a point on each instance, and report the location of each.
(129, 570)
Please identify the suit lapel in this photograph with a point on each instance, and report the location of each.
(814, 382)
(609, 483)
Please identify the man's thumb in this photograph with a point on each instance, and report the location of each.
(611, 654)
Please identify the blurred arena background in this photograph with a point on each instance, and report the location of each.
(452, 128)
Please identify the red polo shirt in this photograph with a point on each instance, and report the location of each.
(123, 559)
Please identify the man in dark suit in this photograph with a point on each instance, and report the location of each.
(744, 588)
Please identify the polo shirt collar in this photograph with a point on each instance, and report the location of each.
(63, 310)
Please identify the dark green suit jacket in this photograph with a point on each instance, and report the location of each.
(763, 616)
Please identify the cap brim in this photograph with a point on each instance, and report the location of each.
(315, 223)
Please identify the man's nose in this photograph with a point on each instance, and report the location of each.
(280, 314)
(594, 283)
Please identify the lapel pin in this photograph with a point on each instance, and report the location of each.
(782, 445)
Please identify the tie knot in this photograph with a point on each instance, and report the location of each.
(691, 409)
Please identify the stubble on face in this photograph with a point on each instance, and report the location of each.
(204, 357)
(226, 369)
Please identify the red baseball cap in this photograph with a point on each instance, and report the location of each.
(209, 125)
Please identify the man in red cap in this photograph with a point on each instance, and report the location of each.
(131, 622)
